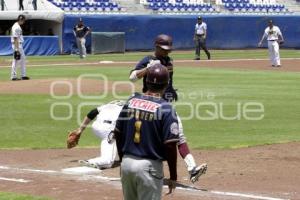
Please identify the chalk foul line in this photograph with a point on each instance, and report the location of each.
(14, 180)
(103, 178)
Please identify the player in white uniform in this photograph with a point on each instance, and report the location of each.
(274, 37)
(102, 127)
(17, 45)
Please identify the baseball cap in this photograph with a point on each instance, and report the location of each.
(158, 75)
(21, 17)
(199, 17)
(164, 41)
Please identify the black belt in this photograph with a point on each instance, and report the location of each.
(107, 121)
(272, 40)
(200, 35)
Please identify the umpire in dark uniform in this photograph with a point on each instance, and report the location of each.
(2, 5)
(200, 38)
(21, 6)
(34, 4)
(147, 134)
(163, 46)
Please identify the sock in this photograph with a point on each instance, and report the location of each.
(189, 162)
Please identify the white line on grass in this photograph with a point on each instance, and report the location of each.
(108, 62)
(103, 178)
(14, 180)
(135, 62)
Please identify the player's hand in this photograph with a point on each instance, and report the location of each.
(172, 185)
(259, 44)
(152, 63)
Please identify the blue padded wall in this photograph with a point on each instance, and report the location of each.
(224, 32)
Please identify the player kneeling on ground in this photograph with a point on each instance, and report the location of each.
(103, 126)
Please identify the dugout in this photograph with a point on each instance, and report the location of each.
(38, 40)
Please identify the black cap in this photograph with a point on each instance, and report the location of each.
(199, 17)
(164, 41)
(21, 17)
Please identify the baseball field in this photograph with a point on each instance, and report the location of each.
(240, 115)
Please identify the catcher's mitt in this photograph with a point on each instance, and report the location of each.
(73, 139)
(17, 55)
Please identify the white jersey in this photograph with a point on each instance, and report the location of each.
(200, 29)
(16, 32)
(273, 33)
(107, 118)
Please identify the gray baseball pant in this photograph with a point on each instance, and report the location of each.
(142, 179)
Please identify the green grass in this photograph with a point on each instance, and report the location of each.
(177, 55)
(26, 122)
(11, 196)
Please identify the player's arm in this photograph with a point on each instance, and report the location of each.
(205, 32)
(195, 33)
(280, 36)
(89, 30)
(74, 31)
(262, 39)
(88, 118)
(171, 149)
(16, 44)
(170, 138)
(137, 74)
(142, 68)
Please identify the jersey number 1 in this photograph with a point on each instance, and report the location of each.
(137, 134)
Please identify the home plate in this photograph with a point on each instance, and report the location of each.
(81, 170)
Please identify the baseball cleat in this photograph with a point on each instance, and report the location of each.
(15, 79)
(196, 172)
(25, 78)
(87, 164)
(95, 165)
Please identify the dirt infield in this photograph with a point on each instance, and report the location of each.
(61, 86)
(266, 172)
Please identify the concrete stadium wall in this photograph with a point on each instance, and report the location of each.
(224, 32)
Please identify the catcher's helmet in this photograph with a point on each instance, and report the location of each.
(164, 41)
(157, 77)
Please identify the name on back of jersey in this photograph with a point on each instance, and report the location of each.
(144, 105)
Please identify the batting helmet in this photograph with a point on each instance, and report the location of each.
(157, 77)
(164, 41)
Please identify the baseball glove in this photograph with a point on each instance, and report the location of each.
(280, 42)
(73, 139)
(17, 55)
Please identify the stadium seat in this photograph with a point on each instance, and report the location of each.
(87, 5)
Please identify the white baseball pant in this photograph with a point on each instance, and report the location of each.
(21, 62)
(273, 47)
(108, 152)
